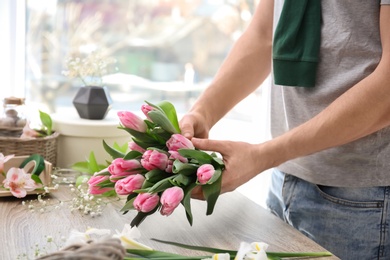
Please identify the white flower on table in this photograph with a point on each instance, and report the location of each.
(224, 256)
(253, 251)
(77, 237)
(128, 237)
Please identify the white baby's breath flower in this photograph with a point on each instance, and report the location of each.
(89, 69)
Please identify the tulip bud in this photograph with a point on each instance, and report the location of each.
(153, 159)
(146, 109)
(93, 184)
(178, 141)
(145, 202)
(121, 168)
(204, 173)
(173, 156)
(135, 147)
(170, 199)
(129, 184)
(132, 121)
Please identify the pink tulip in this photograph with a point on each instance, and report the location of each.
(204, 173)
(146, 109)
(19, 182)
(132, 121)
(146, 202)
(173, 156)
(93, 184)
(120, 168)
(129, 184)
(153, 159)
(170, 199)
(135, 147)
(4, 159)
(178, 141)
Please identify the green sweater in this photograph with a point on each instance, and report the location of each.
(297, 43)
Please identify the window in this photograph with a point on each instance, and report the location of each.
(159, 45)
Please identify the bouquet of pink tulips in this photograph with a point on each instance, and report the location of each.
(161, 168)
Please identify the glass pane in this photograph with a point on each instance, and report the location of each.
(164, 49)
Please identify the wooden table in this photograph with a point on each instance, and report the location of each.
(235, 219)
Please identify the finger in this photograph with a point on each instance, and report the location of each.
(187, 129)
(208, 145)
(197, 193)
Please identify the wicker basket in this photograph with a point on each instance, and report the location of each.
(11, 132)
(45, 146)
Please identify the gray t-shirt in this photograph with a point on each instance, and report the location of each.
(350, 51)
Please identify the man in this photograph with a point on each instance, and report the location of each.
(330, 146)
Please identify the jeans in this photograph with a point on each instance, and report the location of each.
(352, 223)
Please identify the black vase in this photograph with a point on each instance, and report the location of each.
(92, 102)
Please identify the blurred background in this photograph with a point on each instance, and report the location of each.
(164, 49)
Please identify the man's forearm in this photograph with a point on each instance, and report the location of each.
(245, 68)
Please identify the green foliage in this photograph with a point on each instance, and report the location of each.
(47, 122)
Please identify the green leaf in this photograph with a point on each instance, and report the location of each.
(82, 179)
(121, 148)
(140, 136)
(129, 203)
(36, 178)
(81, 166)
(201, 156)
(132, 155)
(92, 163)
(161, 133)
(198, 248)
(156, 175)
(182, 180)
(146, 145)
(186, 202)
(162, 120)
(39, 163)
(154, 254)
(106, 184)
(184, 168)
(217, 174)
(170, 111)
(162, 185)
(141, 217)
(111, 151)
(46, 121)
(219, 162)
(211, 193)
(297, 254)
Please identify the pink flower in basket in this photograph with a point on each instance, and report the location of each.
(28, 132)
(3, 159)
(19, 182)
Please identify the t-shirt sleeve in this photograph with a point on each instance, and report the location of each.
(385, 2)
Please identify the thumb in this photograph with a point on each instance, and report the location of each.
(187, 130)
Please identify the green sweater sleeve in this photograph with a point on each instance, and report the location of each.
(296, 43)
